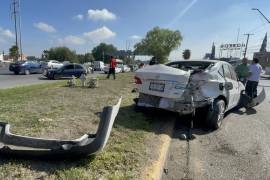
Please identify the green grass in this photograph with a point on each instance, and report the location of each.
(73, 112)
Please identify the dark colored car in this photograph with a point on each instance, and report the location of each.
(25, 67)
(65, 71)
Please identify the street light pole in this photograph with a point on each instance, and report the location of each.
(256, 9)
(245, 53)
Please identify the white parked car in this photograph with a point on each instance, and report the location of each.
(183, 86)
(98, 65)
(107, 68)
(53, 64)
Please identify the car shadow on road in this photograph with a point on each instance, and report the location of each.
(244, 111)
(45, 78)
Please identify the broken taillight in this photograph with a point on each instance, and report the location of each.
(137, 80)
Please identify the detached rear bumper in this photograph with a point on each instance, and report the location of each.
(180, 106)
(11, 144)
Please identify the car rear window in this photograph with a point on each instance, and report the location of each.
(190, 65)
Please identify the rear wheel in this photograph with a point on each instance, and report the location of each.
(56, 76)
(136, 107)
(216, 114)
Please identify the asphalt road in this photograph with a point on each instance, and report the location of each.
(239, 150)
(9, 80)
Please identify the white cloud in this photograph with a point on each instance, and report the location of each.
(135, 37)
(6, 33)
(103, 14)
(71, 40)
(44, 27)
(100, 34)
(78, 17)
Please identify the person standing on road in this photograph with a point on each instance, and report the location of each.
(242, 71)
(255, 70)
(112, 67)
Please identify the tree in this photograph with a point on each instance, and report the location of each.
(103, 51)
(186, 54)
(45, 55)
(159, 43)
(14, 51)
(83, 58)
(31, 58)
(62, 54)
(89, 57)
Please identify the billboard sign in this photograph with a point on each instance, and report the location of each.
(236, 46)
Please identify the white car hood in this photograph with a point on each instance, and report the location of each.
(175, 80)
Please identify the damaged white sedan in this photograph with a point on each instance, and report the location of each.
(184, 86)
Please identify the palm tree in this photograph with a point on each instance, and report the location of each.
(186, 54)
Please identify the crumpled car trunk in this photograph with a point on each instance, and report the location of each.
(163, 81)
(23, 146)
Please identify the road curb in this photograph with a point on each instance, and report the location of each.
(154, 170)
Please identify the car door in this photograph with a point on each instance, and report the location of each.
(230, 93)
(236, 85)
(30, 66)
(36, 67)
(68, 71)
(78, 70)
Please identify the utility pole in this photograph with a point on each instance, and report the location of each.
(15, 5)
(248, 34)
(19, 6)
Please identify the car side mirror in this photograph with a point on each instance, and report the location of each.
(228, 85)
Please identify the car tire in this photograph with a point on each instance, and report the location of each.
(27, 72)
(215, 114)
(56, 76)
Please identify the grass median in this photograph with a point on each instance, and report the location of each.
(57, 111)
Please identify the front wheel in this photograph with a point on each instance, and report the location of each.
(215, 114)
(26, 72)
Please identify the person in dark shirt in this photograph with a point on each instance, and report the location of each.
(153, 61)
(112, 67)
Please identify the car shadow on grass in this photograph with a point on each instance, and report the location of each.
(156, 119)
(50, 166)
(148, 120)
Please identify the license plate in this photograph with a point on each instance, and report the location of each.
(157, 87)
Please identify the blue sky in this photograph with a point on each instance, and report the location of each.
(82, 24)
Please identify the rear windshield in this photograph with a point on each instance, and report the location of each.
(191, 65)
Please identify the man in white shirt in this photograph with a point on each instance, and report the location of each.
(255, 70)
